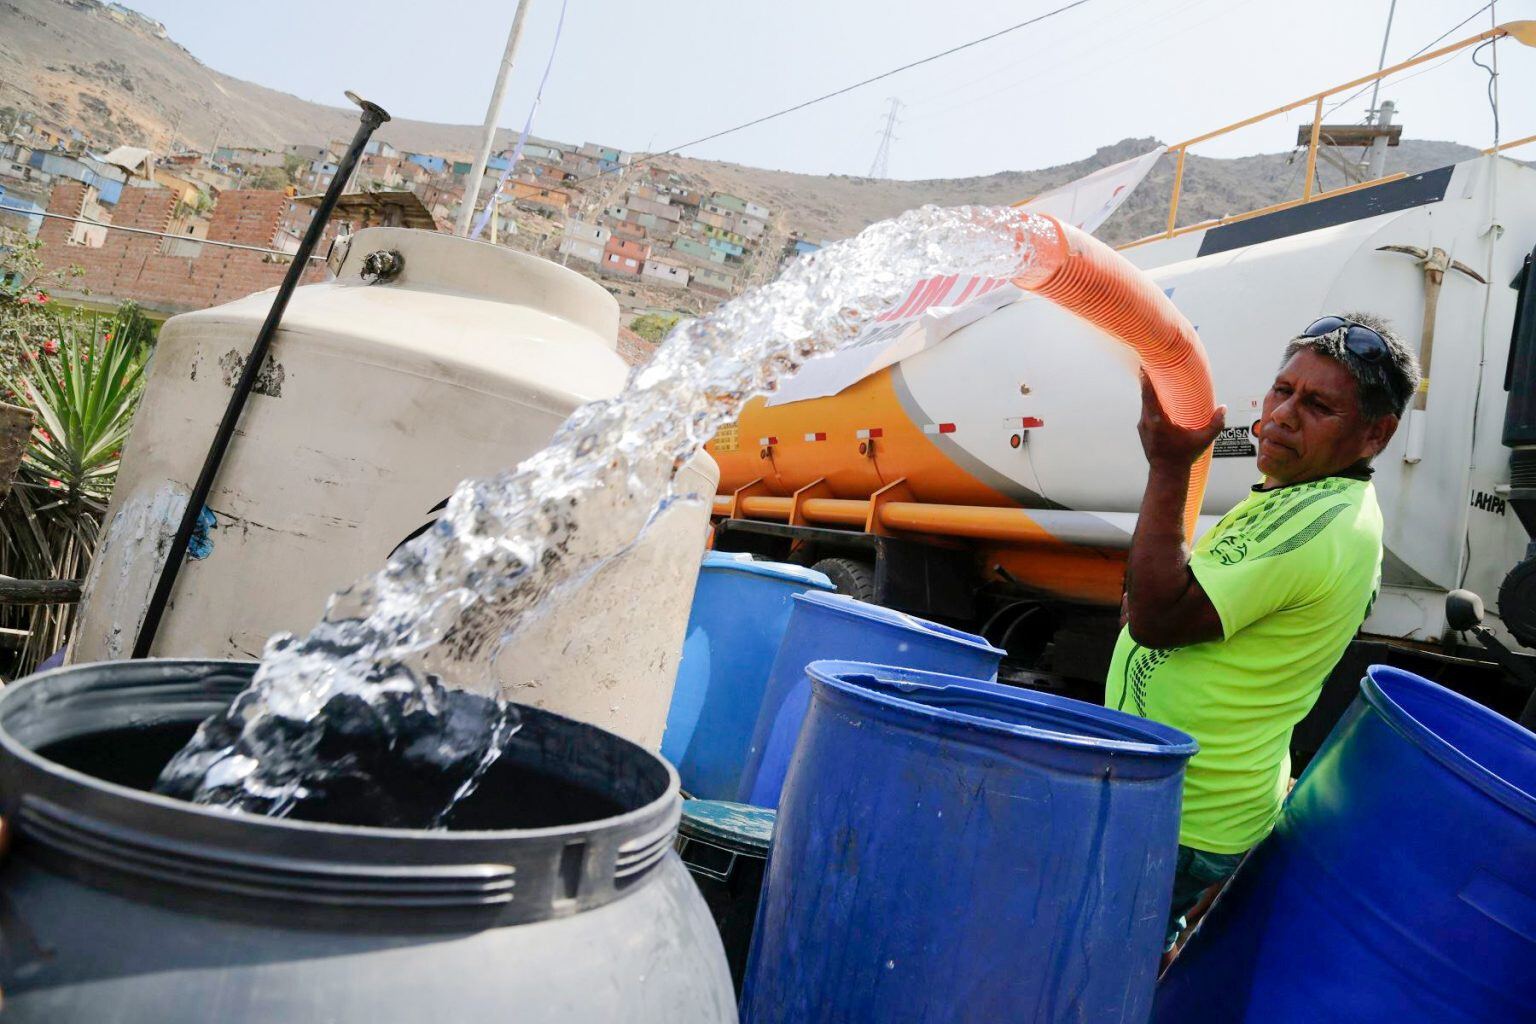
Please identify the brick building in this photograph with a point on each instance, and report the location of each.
(131, 266)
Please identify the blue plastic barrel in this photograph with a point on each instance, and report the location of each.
(949, 852)
(740, 609)
(1399, 884)
(836, 627)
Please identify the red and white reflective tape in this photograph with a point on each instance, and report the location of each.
(872, 432)
(767, 440)
(818, 436)
(938, 428)
(1030, 422)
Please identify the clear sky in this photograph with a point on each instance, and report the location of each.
(654, 75)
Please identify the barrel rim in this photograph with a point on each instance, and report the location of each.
(864, 611)
(1474, 772)
(147, 846)
(719, 562)
(693, 826)
(1160, 741)
(12, 746)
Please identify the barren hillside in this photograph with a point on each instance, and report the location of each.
(74, 61)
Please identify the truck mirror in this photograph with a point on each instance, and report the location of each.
(1463, 609)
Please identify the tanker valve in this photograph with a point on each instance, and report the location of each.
(382, 265)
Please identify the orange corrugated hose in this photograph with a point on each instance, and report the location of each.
(1086, 277)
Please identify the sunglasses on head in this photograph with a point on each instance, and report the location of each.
(1361, 342)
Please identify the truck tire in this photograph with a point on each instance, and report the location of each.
(856, 579)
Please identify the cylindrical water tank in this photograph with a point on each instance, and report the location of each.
(606, 651)
(1397, 886)
(376, 401)
(553, 895)
(947, 853)
(739, 612)
(836, 627)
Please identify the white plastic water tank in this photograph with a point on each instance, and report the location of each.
(607, 652)
(375, 401)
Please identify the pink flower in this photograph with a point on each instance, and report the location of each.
(25, 299)
(32, 356)
(42, 300)
(44, 434)
(56, 484)
(51, 346)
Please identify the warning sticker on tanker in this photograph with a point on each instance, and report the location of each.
(1234, 443)
(728, 439)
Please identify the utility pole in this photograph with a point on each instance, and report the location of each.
(881, 167)
(1371, 111)
(217, 135)
(1378, 150)
(492, 115)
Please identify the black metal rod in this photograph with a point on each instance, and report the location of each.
(373, 116)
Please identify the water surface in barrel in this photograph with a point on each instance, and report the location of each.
(359, 704)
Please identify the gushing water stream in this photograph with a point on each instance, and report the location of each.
(367, 676)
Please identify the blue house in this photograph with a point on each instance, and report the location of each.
(59, 165)
(435, 164)
(15, 204)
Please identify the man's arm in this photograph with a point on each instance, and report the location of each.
(1165, 604)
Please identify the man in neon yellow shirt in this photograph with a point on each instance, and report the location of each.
(1232, 641)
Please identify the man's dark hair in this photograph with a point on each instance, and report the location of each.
(1386, 385)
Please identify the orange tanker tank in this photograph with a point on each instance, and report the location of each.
(871, 459)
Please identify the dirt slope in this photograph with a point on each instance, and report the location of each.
(71, 60)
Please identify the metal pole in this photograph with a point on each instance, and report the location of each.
(373, 116)
(1381, 63)
(492, 115)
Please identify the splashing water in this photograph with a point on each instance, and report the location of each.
(371, 667)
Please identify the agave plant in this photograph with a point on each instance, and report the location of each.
(83, 388)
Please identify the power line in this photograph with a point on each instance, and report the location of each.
(1423, 49)
(154, 234)
(647, 157)
(1101, 48)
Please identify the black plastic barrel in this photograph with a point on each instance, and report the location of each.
(725, 847)
(554, 894)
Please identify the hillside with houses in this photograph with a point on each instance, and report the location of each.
(107, 123)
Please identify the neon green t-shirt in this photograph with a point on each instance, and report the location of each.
(1292, 572)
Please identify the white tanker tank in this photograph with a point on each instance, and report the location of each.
(1008, 448)
(375, 401)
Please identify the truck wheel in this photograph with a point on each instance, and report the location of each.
(856, 579)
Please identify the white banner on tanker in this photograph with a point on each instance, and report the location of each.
(1087, 202)
(937, 307)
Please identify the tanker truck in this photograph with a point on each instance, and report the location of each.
(988, 473)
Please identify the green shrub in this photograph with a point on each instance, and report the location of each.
(83, 387)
